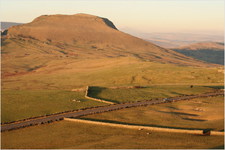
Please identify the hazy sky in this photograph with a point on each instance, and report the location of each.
(140, 15)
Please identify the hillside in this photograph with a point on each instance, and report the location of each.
(67, 51)
(99, 35)
(211, 52)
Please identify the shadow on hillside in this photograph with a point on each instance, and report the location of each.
(176, 93)
(191, 119)
(94, 92)
(207, 55)
(109, 23)
(178, 113)
(172, 107)
(147, 125)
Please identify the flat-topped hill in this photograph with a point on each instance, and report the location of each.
(66, 28)
(96, 33)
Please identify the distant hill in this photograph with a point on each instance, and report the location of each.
(212, 52)
(204, 46)
(6, 25)
(175, 39)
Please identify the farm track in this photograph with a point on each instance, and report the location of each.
(94, 110)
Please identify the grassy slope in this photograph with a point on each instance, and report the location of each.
(32, 64)
(184, 114)
(93, 32)
(70, 135)
(67, 74)
(22, 104)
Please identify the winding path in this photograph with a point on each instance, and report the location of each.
(100, 109)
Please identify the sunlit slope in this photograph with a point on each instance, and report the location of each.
(96, 36)
(68, 74)
(36, 65)
(67, 51)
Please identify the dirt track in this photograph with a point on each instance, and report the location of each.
(88, 111)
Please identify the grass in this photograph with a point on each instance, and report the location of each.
(41, 66)
(70, 135)
(38, 77)
(201, 113)
(149, 92)
(115, 72)
(20, 104)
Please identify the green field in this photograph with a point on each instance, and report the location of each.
(146, 93)
(22, 104)
(200, 113)
(71, 135)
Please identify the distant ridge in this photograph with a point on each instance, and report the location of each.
(212, 52)
(6, 25)
(204, 45)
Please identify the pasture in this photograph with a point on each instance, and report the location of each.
(21, 104)
(199, 113)
(119, 95)
(70, 135)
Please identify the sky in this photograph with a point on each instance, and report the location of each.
(192, 16)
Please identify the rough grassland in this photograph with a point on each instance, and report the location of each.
(67, 73)
(26, 103)
(70, 135)
(201, 113)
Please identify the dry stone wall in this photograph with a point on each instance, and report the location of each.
(95, 99)
(138, 127)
